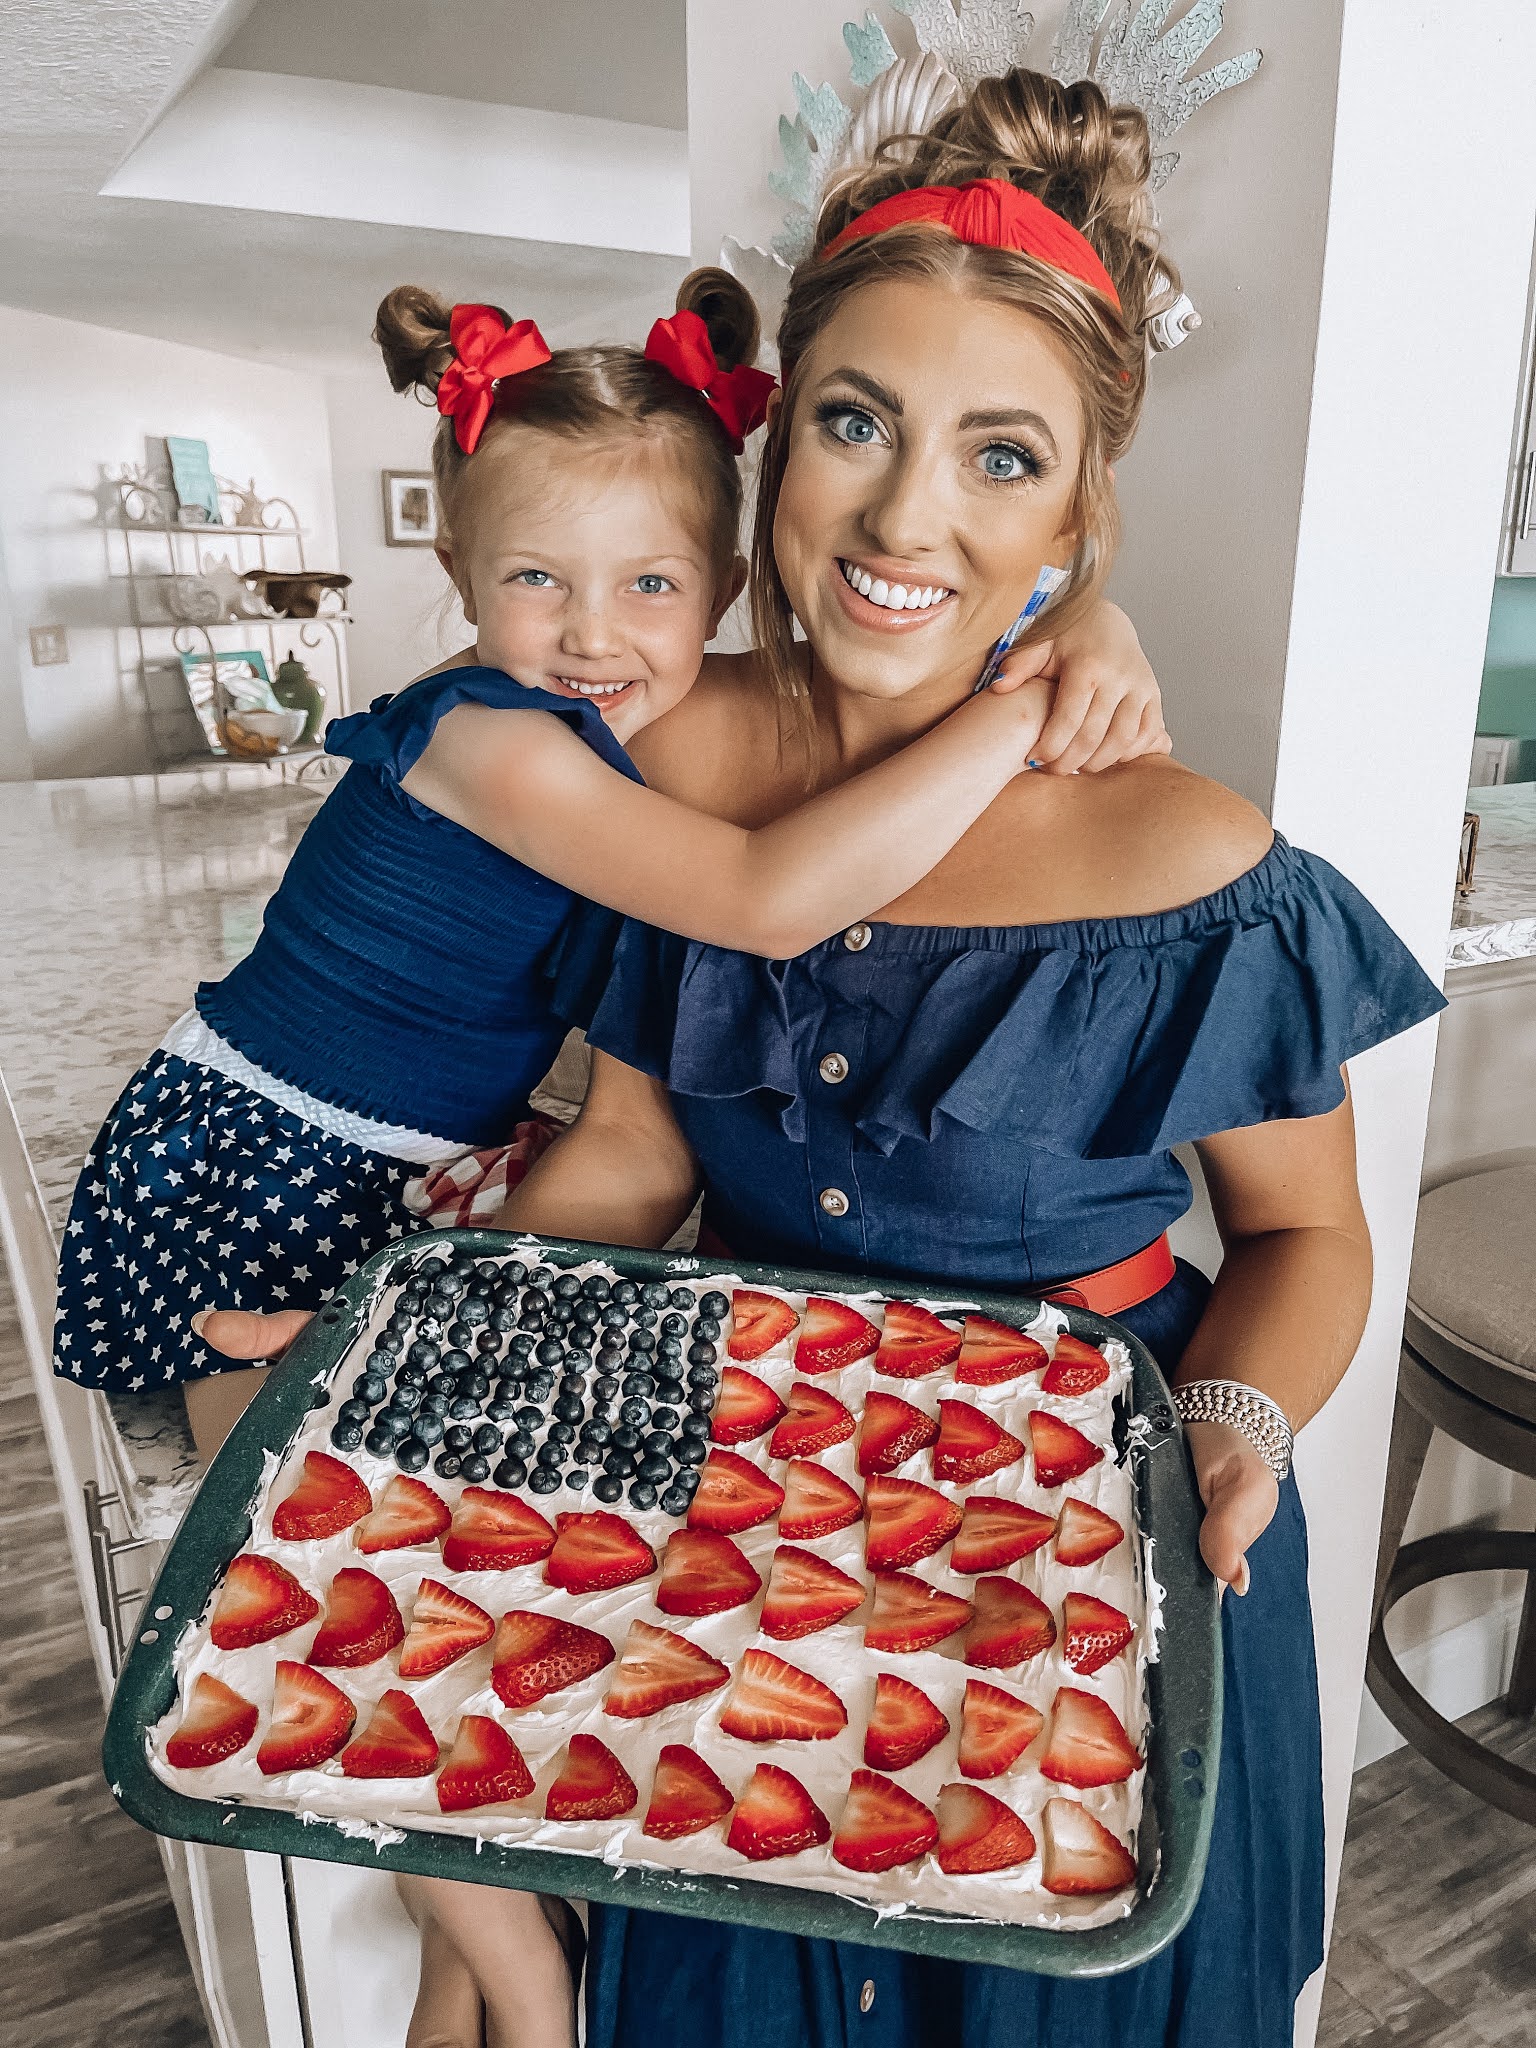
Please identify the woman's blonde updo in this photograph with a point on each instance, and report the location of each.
(1086, 160)
(598, 394)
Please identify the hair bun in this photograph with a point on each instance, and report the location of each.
(411, 329)
(728, 311)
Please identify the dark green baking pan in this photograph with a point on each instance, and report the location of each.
(1184, 1685)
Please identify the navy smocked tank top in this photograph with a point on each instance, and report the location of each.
(401, 967)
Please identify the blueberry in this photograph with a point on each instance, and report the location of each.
(379, 1365)
(669, 1377)
(643, 1494)
(664, 1418)
(675, 1501)
(442, 1383)
(706, 1330)
(576, 1478)
(503, 1318)
(569, 1408)
(567, 1287)
(635, 1413)
(695, 1425)
(620, 1463)
(596, 1430)
(429, 1269)
(390, 1341)
(586, 1313)
(475, 1468)
(656, 1471)
(614, 1318)
(713, 1304)
(380, 1441)
(701, 1354)
(657, 1444)
(595, 1287)
(458, 1436)
(688, 1482)
(674, 1326)
(520, 1445)
(441, 1306)
(608, 1488)
(501, 1410)
(474, 1311)
(627, 1437)
(353, 1411)
(562, 1432)
(642, 1342)
(538, 1387)
(644, 1319)
(542, 1278)
(435, 1404)
(405, 1400)
(446, 1464)
(701, 1400)
(605, 1386)
(530, 1320)
(513, 1272)
(683, 1297)
(542, 1480)
(638, 1386)
(702, 1375)
(487, 1437)
(487, 1344)
(528, 1417)
(625, 1291)
(571, 1383)
(551, 1453)
(422, 1353)
(429, 1427)
(401, 1320)
(346, 1436)
(654, 1294)
(475, 1384)
(451, 1283)
(522, 1344)
(460, 1336)
(691, 1450)
(410, 1454)
(550, 1353)
(510, 1472)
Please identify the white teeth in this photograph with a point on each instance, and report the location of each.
(878, 591)
(592, 689)
(892, 597)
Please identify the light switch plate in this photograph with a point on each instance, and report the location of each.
(50, 646)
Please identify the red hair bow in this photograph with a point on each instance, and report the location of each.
(485, 350)
(738, 398)
(989, 213)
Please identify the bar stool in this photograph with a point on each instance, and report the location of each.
(1468, 1368)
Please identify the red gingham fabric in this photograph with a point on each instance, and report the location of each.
(470, 1189)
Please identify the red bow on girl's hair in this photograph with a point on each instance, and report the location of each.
(485, 350)
(738, 398)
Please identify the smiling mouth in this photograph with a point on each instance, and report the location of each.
(892, 597)
(580, 689)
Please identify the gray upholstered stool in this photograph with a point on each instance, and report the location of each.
(1468, 1368)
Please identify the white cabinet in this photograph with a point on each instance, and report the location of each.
(1517, 551)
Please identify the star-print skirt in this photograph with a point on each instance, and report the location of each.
(201, 1193)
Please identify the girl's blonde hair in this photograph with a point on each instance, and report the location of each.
(604, 393)
(1089, 162)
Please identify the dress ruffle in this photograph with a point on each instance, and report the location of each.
(1239, 1009)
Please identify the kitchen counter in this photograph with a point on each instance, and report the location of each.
(1497, 921)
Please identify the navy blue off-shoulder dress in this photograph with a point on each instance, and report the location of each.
(1001, 1111)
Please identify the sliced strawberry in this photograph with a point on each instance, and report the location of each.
(776, 1816)
(1084, 1533)
(444, 1627)
(997, 1532)
(995, 1352)
(833, 1335)
(397, 1743)
(1080, 1854)
(594, 1785)
(907, 1521)
(596, 1551)
(744, 1408)
(995, 1729)
(904, 1725)
(772, 1701)
(805, 1594)
(702, 1573)
(537, 1654)
(686, 1796)
(909, 1614)
(1061, 1452)
(758, 1321)
(657, 1669)
(734, 1494)
(493, 1532)
(257, 1601)
(977, 1832)
(1088, 1745)
(328, 1498)
(971, 1445)
(914, 1342)
(1011, 1626)
(408, 1512)
(311, 1719)
(485, 1767)
(216, 1724)
(361, 1622)
(816, 1502)
(1075, 1368)
(816, 1420)
(1093, 1632)
(882, 1825)
(892, 1431)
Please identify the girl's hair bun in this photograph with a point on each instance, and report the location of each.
(727, 309)
(411, 329)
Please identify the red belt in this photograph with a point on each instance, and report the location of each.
(1109, 1292)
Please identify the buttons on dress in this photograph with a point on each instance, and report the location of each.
(857, 937)
(867, 1995)
(832, 1068)
(834, 1201)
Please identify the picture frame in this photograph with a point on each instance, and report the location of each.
(410, 509)
(244, 680)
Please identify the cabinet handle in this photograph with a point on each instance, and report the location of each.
(1527, 482)
(106, 1549)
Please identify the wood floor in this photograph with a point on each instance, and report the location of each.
(1434, 1946)
(90, 1955)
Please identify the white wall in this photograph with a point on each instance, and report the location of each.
(78, 399)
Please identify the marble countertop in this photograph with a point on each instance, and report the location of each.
(121, 895)
(1497, 921)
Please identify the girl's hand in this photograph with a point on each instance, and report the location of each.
(1240, 1494)
(1107, 705)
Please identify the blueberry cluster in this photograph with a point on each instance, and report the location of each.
(526, 1376)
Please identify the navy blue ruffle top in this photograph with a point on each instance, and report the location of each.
(999, 1104)
(401, 967)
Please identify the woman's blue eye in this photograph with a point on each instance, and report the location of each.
(856, 429)
(1005, 464)
(652, 586)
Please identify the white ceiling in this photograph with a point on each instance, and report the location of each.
(85, 80)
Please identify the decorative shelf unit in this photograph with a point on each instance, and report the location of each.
(186, 593)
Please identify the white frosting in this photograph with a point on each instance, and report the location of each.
(379, 1809)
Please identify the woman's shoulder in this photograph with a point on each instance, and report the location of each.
(718, 749)
(1184, 836)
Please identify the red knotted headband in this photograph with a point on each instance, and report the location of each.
(989, 213)
(738, 398)
(485, 349)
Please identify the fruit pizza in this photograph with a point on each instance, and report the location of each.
(843, 1591)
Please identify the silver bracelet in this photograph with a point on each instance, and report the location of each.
(1243, 1408)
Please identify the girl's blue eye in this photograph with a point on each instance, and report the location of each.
(535, 579)
(651, 585)
(1005, 464)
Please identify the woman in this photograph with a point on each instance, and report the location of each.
(984, 1086)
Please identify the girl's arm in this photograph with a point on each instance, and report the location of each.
(1287, 1310)
(1107, 706)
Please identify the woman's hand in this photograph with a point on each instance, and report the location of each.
(1240, 1494)
(243, 1336)
(1107, 707)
